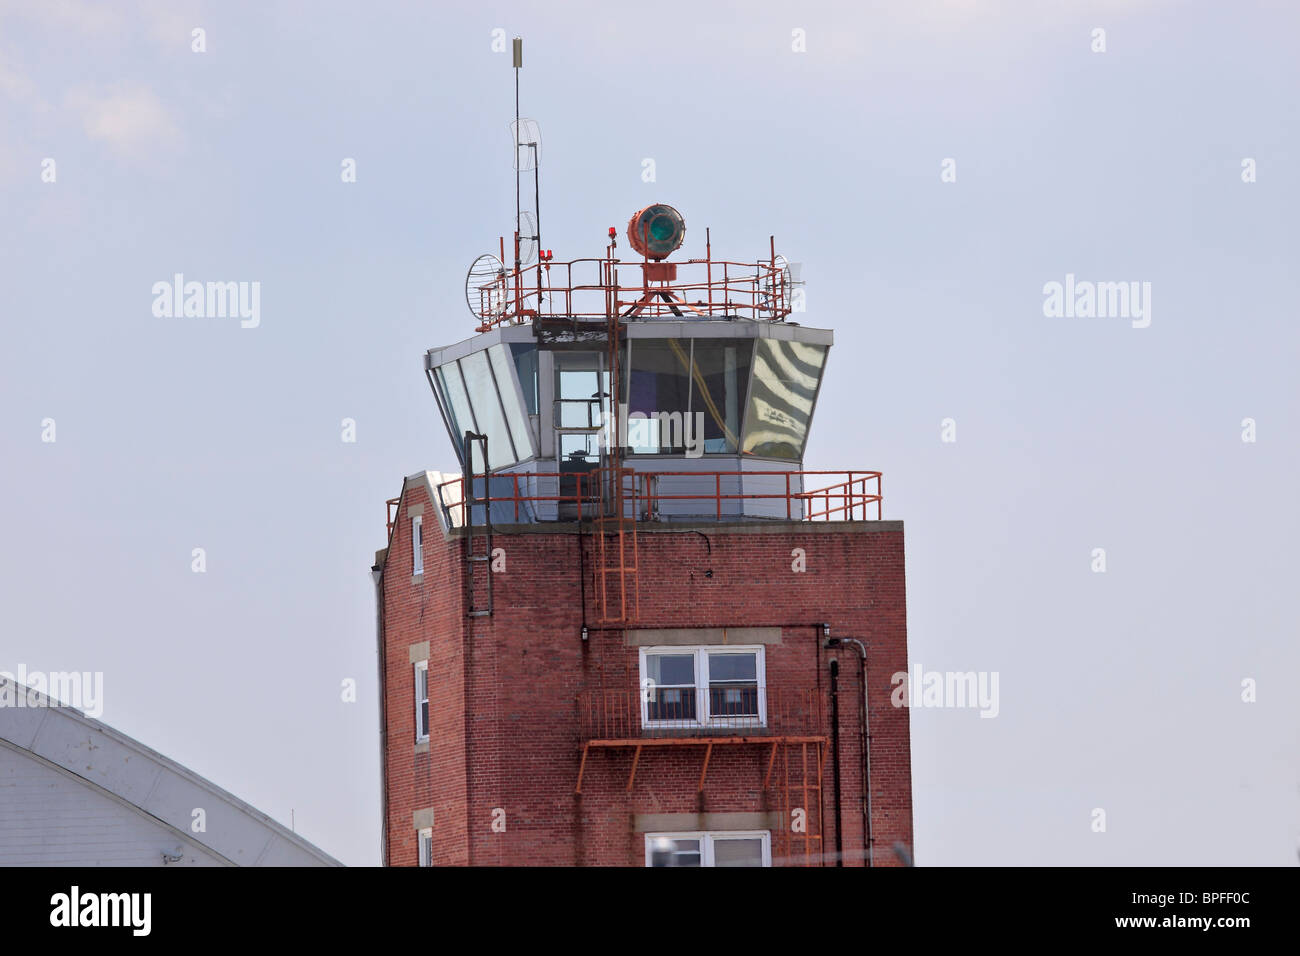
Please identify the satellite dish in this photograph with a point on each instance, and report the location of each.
(485, 287)
(527, 238)
(527, 137)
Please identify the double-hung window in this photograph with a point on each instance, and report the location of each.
(417, 545)
(426, 846)
(712, 686)
(752, 848)
(421, 701)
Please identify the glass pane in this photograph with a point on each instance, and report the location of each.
(781, 397)
(453, 389)
(671, 670)
(738, 852)
(658, 390)
(672, 703)
(580, 449)
(580, 399)
(733, 700)
(719, 376)
(424, 718)
(665, 851)
(730, 667)
(526, 366)
(515, 415)
(487, 409)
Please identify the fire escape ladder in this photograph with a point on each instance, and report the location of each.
(617, 595)
(478, 538)
(798, 792)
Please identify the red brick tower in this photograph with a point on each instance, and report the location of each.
(634, 630)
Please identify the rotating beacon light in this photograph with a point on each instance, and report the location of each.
(656, 231)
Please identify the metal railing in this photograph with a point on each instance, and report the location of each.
(517, 495)
(698, 712)
(589, 290)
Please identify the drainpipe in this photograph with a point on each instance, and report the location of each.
(835, 757)
(865, 731)
(377, 573)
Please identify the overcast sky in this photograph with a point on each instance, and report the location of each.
(1119, 690)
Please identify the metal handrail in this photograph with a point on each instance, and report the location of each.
(848, 500)
(757, 290)
(623, 715)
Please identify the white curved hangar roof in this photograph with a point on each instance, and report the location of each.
(74, 791)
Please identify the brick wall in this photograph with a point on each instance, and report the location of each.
(505, 736)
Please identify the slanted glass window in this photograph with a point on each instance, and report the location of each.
(783, 387)
(520, 433)
(422, 701)
(479, 395)
(752, 848)
(719, 375)
(486, 401)
(453, 389)
(525, 356)
(658, 396)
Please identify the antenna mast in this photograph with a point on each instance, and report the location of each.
(518, 53)
(530, 140)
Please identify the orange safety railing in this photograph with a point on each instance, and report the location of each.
(844, 500)
(392, 504)
(591, 289)
(645, 714)
(857, 497)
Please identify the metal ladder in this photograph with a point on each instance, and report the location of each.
(476, 554)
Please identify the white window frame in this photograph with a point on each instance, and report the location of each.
(703, 718)
(417, 544)
(424, 846)
(421, 733)
(706, 838)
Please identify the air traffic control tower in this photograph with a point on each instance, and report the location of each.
(632, 628)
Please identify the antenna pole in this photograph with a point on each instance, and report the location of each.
(518, 53)
(537, 211)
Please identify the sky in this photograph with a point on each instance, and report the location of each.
(932, 166)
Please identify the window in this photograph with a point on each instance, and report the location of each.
(676, 382)
(422, 701)
(478, 393)
(658, 386)
(426, 846)
(525, 357)
(417, 545)
(785, 381)
(720, 686)
(752, 848)
(719, 374)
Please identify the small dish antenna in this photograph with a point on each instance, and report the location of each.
(485, 289)
(527, 238)
(527, 136)
(774, 289)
